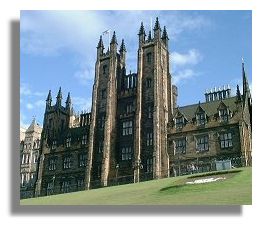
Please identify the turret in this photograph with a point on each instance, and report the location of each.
(165, 37)
(100, 47)
(113, 43)
(48, 100)
(59, 98)
(68, 102)
(122, 51)
(157, 30)
(238, 95)
(141, 34)
(246, 90)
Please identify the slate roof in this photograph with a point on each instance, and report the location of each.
(210, 108)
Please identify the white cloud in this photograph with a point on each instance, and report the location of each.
(85, 76)
(29, 106)
(192, 57)
(23, 124)
(27, 91)
(40, 103)
(24, 89)
(184, 75)
(48, 32)
(81, 104)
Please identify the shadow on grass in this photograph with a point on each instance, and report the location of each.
(181, 184)
(173, 188)
(214, 173)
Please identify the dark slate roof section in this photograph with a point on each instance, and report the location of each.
(210, 108)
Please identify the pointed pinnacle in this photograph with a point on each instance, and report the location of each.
(59, 95)
(165, 35)
(238, 94)
(157, 25)
(122, 47)
(68, 100)
(149, 36)
(100, 43)
(49, 97)
(113, 40)
(142, 29)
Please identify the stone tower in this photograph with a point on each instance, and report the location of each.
(103, 121)
(154, 103)
(56, 120)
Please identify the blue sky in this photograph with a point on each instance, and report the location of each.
(58, 48)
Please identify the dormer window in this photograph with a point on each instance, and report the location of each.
(223, 115)
(201, 118)
(179, 122)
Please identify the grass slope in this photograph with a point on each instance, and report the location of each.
(236, 189)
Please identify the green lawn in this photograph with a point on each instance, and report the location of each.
(236, 189)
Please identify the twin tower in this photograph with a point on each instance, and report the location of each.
(130, 112)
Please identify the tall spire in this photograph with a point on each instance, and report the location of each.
(246, 90)
(141, 34)
(100, 43)
(142, 29)
(238, 95)
(59, 97)
(113, 40)
(68, 101)
(165, 36)
(49, 99)
(122, 46)
(157, 25)
(157, 30)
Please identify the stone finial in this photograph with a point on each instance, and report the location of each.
(165, 35)
(149, 36)
(100, 43)
(49, 97)
(68, 100)
(113, 40)
(157, 25)
(142, 29)
(122, 47)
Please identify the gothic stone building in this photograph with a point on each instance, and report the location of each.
(29, 155)
(134, 125)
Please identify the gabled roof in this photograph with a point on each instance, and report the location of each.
(178, 113)
(34, 127)
(221, 105)
(199, 109)
(210, 108)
